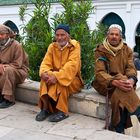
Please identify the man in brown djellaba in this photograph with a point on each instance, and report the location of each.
(116, 75)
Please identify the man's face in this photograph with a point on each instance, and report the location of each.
(3, 38)
(114, 36)
(62, 37)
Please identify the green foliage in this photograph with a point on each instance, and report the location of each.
(22, 11)
(37, 35)
(75, 15)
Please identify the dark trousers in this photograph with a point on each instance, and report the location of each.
(123, 114)
(123, 117)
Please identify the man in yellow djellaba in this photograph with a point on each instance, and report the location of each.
(60, 73)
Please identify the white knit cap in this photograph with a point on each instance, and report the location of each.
(115, 26)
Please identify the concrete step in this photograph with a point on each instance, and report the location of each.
(18, 123)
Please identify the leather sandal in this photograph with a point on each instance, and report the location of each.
(58, 116)
(42, 115)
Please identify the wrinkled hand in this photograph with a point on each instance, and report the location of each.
(44, 76)
(125, 85)
(2, 68)
(51, 80)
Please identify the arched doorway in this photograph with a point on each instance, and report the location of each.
(113, 18)
(12, 25)
(137, 39)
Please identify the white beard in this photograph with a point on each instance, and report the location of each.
(3, 41)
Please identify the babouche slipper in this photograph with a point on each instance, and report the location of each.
(58, 116)
(42, 115)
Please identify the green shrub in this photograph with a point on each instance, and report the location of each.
(75, 15)
(39, 33)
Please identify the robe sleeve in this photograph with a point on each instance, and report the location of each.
(19, 58)
(100, 71)
(130, 67)
(68, 72)
(47, 63)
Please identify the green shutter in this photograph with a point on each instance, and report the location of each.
(137, 40)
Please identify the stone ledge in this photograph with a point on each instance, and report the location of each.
(87, 102)
(28, 92)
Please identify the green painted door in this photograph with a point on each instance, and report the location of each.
(113, 18)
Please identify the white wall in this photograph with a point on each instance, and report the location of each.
(9, 13)
(128, 10)
(12, 13)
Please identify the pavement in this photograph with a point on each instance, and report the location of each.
(18, 123)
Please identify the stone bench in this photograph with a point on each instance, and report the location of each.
(87, 102)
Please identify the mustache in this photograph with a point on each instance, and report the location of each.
(113, 39)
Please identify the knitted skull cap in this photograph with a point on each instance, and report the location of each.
(63, 27)
(115, 26)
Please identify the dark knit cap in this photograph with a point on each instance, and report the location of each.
(64, 27)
